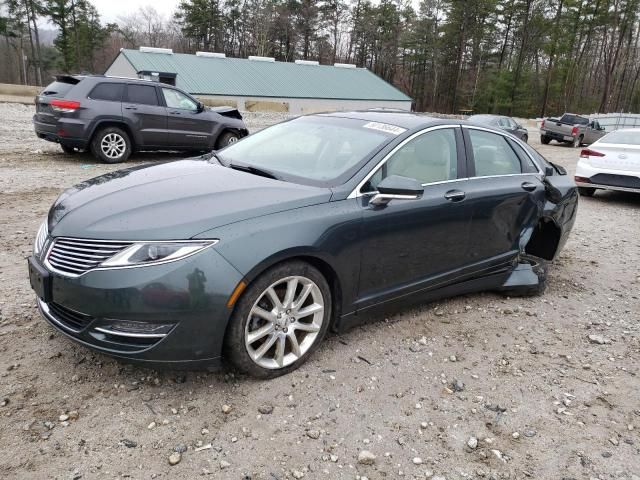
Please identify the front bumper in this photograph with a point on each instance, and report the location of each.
(606, 178)
(188, 297)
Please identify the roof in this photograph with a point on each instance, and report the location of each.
(406, 120)
(201, 75)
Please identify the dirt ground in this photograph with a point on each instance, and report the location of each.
(478, 386)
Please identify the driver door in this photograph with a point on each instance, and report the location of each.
(188, 127)
(409, 245)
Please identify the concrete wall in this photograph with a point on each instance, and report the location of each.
(300, 106)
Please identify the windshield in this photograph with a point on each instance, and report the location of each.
(629, 137)
(574, 119)
(322, 151)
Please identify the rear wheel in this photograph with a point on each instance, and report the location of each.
(111, 145)
(525, 138)
(545, 140)
(279, 321)
(586, 191)
(578, 141)
(227, 138)
(68, 150)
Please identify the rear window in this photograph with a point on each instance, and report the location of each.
(57, 89)
(142, 94)
(621, 137)
(574, 120)
(111, 92)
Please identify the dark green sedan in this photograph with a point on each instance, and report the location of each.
(252, 253)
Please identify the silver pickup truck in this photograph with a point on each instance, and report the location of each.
(570, 128)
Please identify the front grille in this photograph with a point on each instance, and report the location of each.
(616, 180)
(75, 256)
(68, 318)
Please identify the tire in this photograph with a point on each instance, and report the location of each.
(545, 140)
(68, 150)
(577, 142)
(586, 191)
(111, 145)
(278, 330)
(525, 138)
(227, 138)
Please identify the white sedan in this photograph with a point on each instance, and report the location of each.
(611, 163)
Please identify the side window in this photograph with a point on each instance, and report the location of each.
(176, 99)
(110, 92)
(525, 161)
(504, 122)
(428, 158)
(492, 154)
(142, 94)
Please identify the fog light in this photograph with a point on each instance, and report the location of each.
(129, 328)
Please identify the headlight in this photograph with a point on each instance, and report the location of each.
(41, 239)
(156, 252)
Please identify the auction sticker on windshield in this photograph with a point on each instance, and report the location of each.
(385, 127)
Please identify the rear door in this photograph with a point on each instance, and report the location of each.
(188, 127)
(144, 112)
(505, 192)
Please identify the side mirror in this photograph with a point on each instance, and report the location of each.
(396, 187)
(548, 171)
(200, 107)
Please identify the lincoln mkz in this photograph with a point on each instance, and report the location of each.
(252, 253)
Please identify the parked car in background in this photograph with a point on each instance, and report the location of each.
(114, 117)
(505, 123)
(255, 251)
(572, 129)
(611, 163)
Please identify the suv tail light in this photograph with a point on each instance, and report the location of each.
(64, 106)
(542, 124)
(574, 131)
(586, 153)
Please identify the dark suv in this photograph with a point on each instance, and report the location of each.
(116, 116)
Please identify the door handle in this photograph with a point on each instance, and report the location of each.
(455, 195)
(130, 108)
(175, 113)
(528, 186)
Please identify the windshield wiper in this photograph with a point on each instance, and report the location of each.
(213, 155)
(254, 170)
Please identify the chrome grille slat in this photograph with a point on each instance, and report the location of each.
(82, 249)
(77, 256)
(94, 245)
(70, 261)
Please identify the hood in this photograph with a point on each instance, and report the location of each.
(172, 201)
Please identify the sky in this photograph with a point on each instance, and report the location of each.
(110, 10)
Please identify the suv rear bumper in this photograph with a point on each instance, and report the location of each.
(69, 134)
(556, 136)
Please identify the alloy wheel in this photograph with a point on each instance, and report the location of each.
(284, 322)
(113, 145)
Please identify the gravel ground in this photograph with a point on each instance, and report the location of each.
(478, 386)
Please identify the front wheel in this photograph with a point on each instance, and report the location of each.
(111, 145)
(279, 321)
(525, 138)
(227, 138)
(545, 140)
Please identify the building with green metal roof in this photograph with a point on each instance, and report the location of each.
(260, 83)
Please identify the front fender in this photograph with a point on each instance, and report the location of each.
(328, 232)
